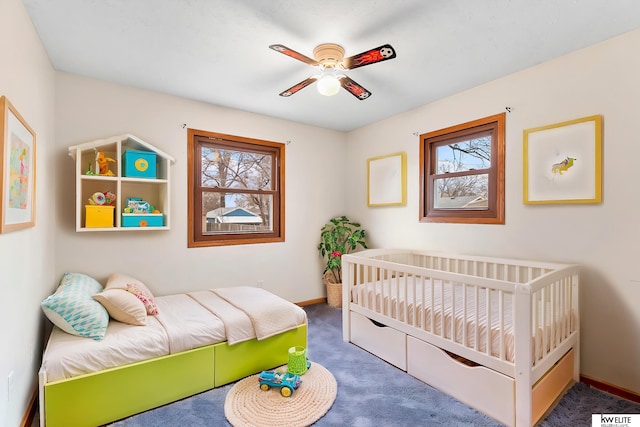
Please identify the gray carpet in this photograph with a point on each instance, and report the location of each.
(374, 393)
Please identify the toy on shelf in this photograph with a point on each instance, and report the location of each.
(102, 163)
(135, 205)
(99, 198)
(287, 382)
(140, 213)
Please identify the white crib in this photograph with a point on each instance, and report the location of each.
(500, 335)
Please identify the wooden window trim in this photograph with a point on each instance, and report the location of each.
(495, 212)
(194, 196)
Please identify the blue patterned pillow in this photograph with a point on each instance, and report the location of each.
(73, 309)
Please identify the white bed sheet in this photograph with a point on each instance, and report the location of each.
(181, 324)
(389, 298)
(68, 355)
(188, 324)
(238, 325)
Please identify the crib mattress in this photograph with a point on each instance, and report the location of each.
(183, 322)
(465, 313)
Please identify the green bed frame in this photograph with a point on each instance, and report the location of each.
(103, 397)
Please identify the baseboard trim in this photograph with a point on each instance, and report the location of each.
(27, 420)
(311, 302)
(610, 388)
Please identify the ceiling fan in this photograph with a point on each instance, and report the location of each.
(329, 58)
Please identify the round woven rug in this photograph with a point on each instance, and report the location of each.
(247, 405)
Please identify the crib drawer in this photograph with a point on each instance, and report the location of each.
(484, 389)
(385, 342)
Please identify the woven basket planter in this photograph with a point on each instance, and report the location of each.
(334, 289)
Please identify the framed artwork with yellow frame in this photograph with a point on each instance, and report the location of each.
(563, 162)
(387, 180)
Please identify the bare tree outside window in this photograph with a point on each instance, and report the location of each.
(237, 192)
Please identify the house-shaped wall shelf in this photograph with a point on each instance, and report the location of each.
(130, 169)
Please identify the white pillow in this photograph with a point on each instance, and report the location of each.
(123, 306)
(72, 308)
(136, 287)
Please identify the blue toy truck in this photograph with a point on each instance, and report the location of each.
(285, 381)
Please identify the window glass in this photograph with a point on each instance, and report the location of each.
(463, 192)
(226, 213)
(236, 168)
(468, 155)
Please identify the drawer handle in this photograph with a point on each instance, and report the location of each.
(378, 324)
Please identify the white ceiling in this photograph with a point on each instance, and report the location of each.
(216, 51)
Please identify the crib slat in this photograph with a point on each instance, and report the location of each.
(407, 299)
(476, 320)
(380, 277)
(566, 310)
(553, 315)
(465, 339)
(561, 311)
(423, 312)
(415, 301)
(488, 320)
(534, 323)
(371, 301)
(453, 311)
(442, 302)
(433, 307)
(543, 294)
(386, 288)
(501, 326)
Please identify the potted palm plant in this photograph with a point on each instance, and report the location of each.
(339, 236)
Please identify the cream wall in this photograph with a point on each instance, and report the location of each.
(602, 79)
(88, 109)
(325, 177)
(26, 256)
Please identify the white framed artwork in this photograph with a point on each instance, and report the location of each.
(386, 180)
(563, 162)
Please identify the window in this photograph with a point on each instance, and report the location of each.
(462, 173)
(235, 190)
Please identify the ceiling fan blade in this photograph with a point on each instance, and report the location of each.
(379, 54)
(293, 54)
(354, 88)
(295, 88)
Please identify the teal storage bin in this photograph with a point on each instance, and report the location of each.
(142, 220)
(139, 164)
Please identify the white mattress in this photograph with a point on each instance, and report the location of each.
(389, 299)
(188, 323)
(184, 322)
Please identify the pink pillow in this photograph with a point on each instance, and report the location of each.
(144, 296)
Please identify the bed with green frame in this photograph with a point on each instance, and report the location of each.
(104, 396)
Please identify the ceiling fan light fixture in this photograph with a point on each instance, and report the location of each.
(328, 85)
(329, 59)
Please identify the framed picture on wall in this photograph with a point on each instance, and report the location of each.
(17, 170)
(563, 162)
(387, 180)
